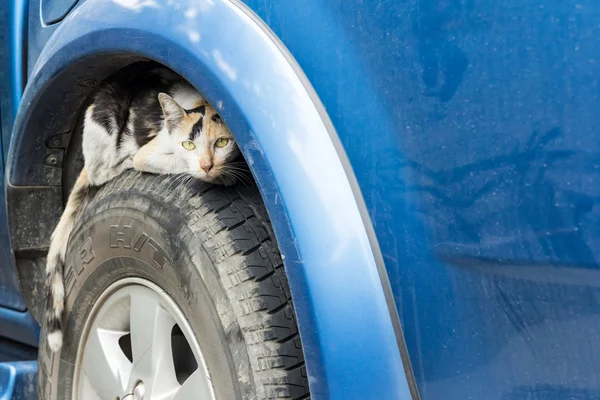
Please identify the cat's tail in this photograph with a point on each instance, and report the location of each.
(78, 199)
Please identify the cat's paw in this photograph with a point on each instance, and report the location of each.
(128, 163)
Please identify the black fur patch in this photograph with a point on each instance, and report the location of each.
(197, 129)
(53, 324)
(147, 116)
(111, 107)
(199, 109)
(132, 96)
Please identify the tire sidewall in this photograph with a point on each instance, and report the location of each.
(132, 237)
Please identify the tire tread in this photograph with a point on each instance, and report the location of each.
(234, 229)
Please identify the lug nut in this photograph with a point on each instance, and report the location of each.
(139, 391)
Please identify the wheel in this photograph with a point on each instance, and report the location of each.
(174, 292)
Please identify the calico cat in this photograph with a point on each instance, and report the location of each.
(152, 122)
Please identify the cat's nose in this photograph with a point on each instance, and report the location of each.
(206, 166)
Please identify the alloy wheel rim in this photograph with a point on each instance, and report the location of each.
(137, 345)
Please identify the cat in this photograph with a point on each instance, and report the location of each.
(151, 122)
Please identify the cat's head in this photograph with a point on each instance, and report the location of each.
(200, 137)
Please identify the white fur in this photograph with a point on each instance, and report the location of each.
(58, 290)
(186, 96)
(161, 156)
(55, 340)
(128, 146)
(101, 161)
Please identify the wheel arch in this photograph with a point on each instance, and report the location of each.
(348, 327)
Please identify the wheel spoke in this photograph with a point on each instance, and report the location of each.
(87, 390)
(112, 367)
(104, 363)
(197, 386)
(151, 327)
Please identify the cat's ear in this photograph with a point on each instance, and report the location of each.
(173, 112)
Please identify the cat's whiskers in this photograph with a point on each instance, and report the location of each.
(177, 178)
(236, 167)
(184, 182)
(236, 174)
(168, 179)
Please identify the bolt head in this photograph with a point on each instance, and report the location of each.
(139, 391)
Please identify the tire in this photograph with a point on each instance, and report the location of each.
(211, 249)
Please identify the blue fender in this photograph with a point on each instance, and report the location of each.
(18, 380)
(349, 331)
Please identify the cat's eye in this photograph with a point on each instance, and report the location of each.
(188, 145)
(221, 142)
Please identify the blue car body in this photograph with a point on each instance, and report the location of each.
(431, 169)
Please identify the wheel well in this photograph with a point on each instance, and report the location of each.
(35, 205)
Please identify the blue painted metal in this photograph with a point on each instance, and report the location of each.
(55, 10)
(12, 25)
(19, 326)
(471, 127)
(38, 33)
(473, 130)
(18, 380)
(347, 331)
(11, 351)
(13, 22)
(10, 295)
